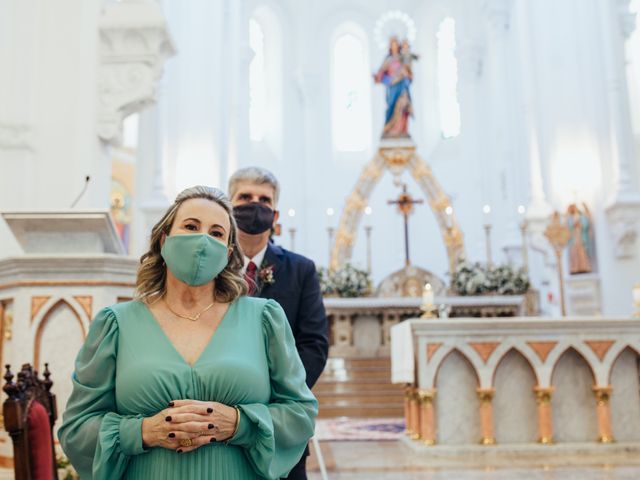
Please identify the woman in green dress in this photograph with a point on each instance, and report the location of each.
(193, 379)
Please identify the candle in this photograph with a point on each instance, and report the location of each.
(521, 209)
(636, 294)
(449, 213)
(486, 209)
(427, 295)
(330, 212)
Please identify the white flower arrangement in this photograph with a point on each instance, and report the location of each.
(346, 281)
(476, 279)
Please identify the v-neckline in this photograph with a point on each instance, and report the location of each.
(214, 335)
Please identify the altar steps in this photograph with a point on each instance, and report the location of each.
(359, 387)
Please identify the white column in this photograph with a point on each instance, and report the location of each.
(498, 13)
(538, 209)
(150, 198)
(623, 211)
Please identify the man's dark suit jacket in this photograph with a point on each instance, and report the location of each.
(297, 290)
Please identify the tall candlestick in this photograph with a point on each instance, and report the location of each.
(523, 230)
(292, 230)
(367, 231)
(330, 232)
(486, 209)
(292, 237)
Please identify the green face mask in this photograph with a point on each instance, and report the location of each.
(194, 259)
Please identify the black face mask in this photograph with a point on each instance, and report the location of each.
(253, 218)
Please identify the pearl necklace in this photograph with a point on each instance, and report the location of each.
(193, 318)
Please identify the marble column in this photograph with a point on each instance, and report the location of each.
(603, 411)
(503, 117)
(545, 420)
(427, 416)
(624, 204)
(414, 406)
(408, 391)
(486, 416)
(150, 200)
(538, 209)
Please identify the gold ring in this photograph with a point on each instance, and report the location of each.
(186, 442)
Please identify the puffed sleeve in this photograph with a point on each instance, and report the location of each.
(97, 440)
(275, 435)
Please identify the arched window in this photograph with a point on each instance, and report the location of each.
(448, 79)
(257, 82)
(350, 92)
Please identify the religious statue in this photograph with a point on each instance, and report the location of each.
(396, 74)
(581, 240)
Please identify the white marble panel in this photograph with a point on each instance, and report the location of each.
(573, 402)
(514, 403)
(60, 342)
(367, 335)
(625, 400)
(457, 405)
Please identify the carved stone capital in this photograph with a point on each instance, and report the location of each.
(134, 45)
(624, 221)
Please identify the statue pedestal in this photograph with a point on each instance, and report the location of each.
(72, 266)
(583, 294)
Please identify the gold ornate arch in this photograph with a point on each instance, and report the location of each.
(397, 156)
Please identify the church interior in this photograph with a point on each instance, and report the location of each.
(465, 175)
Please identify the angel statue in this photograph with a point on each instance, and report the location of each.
(396, 74)
(581, 240)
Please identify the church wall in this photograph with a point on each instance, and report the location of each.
(204, 127)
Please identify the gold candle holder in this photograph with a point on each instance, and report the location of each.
(636, 300)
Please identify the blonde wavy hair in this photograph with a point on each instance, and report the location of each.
(152, 272)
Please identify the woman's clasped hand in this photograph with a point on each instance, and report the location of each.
(186, 425)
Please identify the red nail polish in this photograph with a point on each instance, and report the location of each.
(211, 426)
(213, 440)
(171, 404)
(179, 451)
(209, 410)
(172, 435)
(168, 419)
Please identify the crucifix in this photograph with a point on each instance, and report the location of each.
(405, 203)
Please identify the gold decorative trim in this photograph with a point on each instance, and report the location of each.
(542, 349)
(484, 349)
(36, 304)
(432, 348)
(600, 347)
(396, 159)
(86, 302)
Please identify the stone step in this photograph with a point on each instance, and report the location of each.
(357, 386)
(370, 411)
(383, 376)
(394, 398)
(360, 362)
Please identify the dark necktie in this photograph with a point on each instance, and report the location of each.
(250, 277)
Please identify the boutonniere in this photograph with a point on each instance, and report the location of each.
(266, 274)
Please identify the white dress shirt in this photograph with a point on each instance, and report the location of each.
(257, 259)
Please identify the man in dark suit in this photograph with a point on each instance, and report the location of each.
(279, 274)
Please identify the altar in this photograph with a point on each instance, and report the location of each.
(360, 327)
(519, 381)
